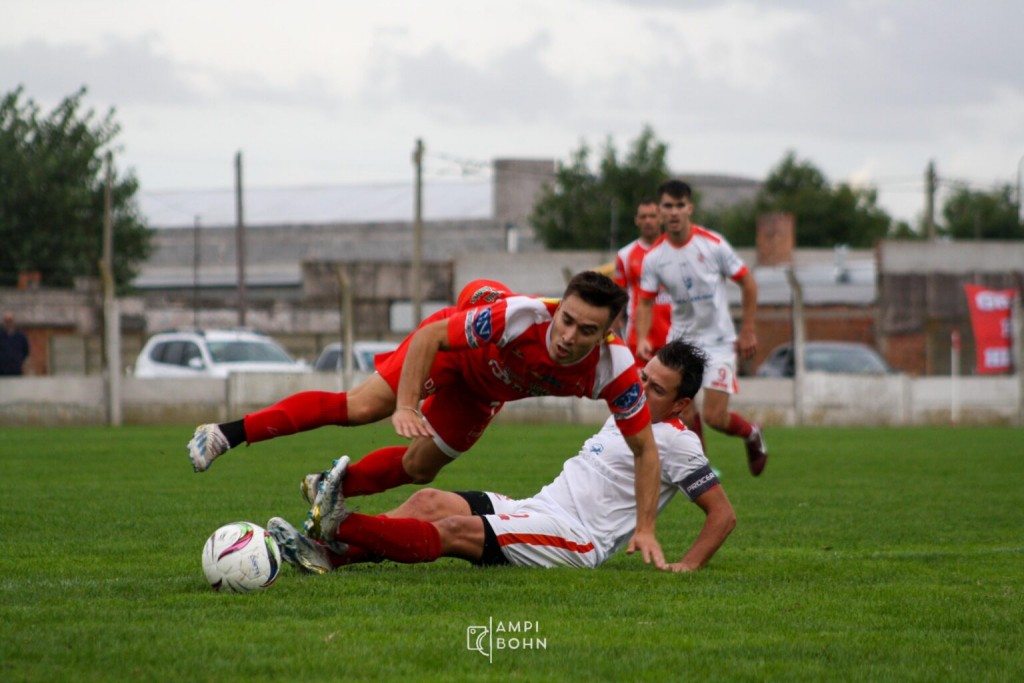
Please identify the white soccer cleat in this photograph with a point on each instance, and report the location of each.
(206, 445)
(310, 486)
(329, 509)
(302, 553)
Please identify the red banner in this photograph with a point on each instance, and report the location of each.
(990, 319)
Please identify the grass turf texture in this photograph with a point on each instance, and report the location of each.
(860, 554)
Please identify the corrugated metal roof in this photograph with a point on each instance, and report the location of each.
(372, 203)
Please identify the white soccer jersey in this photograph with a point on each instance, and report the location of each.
(595, 497)
(695, 277)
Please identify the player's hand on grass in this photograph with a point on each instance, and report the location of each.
(650, 549)
(680, 567)
(410, 424)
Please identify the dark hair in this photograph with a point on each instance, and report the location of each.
(676, 189)
(688, 361)
(644, 201)
(598, 290)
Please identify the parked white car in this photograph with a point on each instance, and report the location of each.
(363, 354)
(213, 353)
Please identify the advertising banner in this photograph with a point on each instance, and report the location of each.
(990, 320)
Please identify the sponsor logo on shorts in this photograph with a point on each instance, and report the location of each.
(487, 294)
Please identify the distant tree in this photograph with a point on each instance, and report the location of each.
(52, 180)
(972, 215)
(737, 222)
(588, 209)
(826, 215)
(901, 230)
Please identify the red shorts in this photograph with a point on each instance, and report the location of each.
(457, 415)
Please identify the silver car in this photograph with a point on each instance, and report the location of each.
(825, 356)
(213, 353)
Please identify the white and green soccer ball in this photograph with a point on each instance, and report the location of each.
(241, 557)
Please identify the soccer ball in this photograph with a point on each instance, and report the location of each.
(241, 557)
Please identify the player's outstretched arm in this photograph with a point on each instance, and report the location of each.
(648, 483)
(644, 313)
(719, 522)
(423, 348)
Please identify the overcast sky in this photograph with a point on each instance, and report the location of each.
(324, 92)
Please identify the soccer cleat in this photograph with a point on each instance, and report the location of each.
(300, 552)
(329, 509)
(757, 451)
(206, 445)
(310, 485)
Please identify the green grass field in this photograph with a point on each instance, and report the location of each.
(861, 554)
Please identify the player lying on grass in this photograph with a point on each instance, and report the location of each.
(579, 520)
(466, 361)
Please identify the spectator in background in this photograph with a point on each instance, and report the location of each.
(13, 348)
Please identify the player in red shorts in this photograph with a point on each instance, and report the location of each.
(464, 363)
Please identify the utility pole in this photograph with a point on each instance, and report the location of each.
(1020, 163)
(240, 241)
(111, 312)
(417, 248)
(929, 202)
(195, 273)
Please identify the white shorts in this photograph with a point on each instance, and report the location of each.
(720, 372)
(532, 534)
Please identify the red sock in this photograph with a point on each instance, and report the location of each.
(738, 426)
(355, 555)
(297, 413)
(399, 540)
(375, 472)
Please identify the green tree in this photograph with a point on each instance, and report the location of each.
(972, 215)
(737, 222)
(826, 215)
(52, 178)
(585, 209)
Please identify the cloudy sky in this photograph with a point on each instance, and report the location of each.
(321, 92)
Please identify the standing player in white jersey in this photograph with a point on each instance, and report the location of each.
(579, 520)
(628, 263)
(692, 263)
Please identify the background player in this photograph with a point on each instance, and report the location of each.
(692, 263)
(579, 520)
(628, 261)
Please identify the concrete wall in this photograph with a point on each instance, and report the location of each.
(828, 400)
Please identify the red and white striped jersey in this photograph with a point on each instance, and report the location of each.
(502, 353)
(628, 262)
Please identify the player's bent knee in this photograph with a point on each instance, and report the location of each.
(426, 502)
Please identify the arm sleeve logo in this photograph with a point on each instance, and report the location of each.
(629, 401)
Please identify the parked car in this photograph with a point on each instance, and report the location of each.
(825, 356)
(363, 354)
(212, 353)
